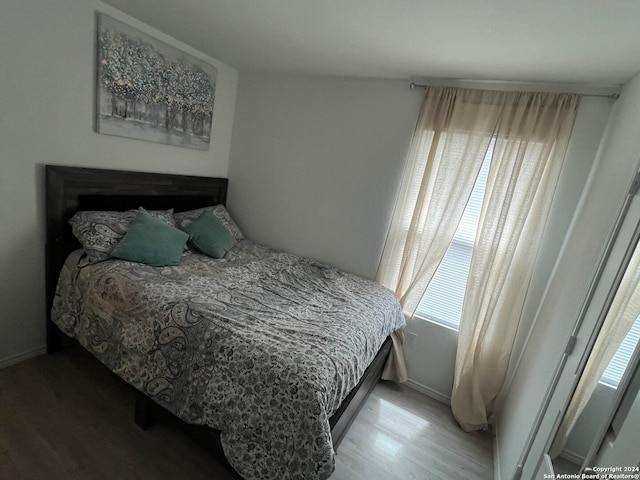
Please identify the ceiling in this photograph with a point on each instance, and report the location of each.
(589, 42)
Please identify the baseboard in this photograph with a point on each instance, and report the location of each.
(8, 361)
(429, 392)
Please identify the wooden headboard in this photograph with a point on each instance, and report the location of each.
(71, 189)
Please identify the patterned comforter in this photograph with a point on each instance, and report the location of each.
(261, 345)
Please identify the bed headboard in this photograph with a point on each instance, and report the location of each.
(70, 189)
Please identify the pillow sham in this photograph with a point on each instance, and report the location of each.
(209, 235)
(151, 241)
(100, 231)
(221, 213)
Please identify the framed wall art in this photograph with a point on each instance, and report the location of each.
(149, 90)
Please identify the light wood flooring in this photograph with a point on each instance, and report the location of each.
(64, 416)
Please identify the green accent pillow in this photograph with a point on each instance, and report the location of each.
(209, 235)
(151, 241)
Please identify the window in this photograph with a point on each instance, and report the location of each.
(442, 302)
(613, 374)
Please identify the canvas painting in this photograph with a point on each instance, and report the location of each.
(149, 90)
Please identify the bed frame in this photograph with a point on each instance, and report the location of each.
(70, 189)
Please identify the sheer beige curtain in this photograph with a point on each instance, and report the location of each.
(531, 141)
(621, 316)
(451, 138)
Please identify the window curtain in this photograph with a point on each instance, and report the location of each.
(452, 136)
(621, 316)
(531, 141)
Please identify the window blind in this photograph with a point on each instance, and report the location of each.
(614, 372)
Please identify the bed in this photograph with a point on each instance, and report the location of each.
(268, 356)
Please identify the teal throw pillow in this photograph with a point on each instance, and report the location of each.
(209, 235)
(151, 241)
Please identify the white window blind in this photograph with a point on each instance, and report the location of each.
(442, 302)
(613, 374)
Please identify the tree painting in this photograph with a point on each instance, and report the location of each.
(150, 90)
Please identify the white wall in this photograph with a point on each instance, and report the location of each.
(568, 286)
(430, 356)
(47, 96)
(316, 163)
(588, 424)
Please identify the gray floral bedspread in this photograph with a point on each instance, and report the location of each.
(262, 345)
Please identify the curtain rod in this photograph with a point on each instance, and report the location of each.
(613, 96)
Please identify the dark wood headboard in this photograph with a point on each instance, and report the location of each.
(71, 189)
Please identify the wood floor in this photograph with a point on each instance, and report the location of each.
(404, 435)
(66, 417)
